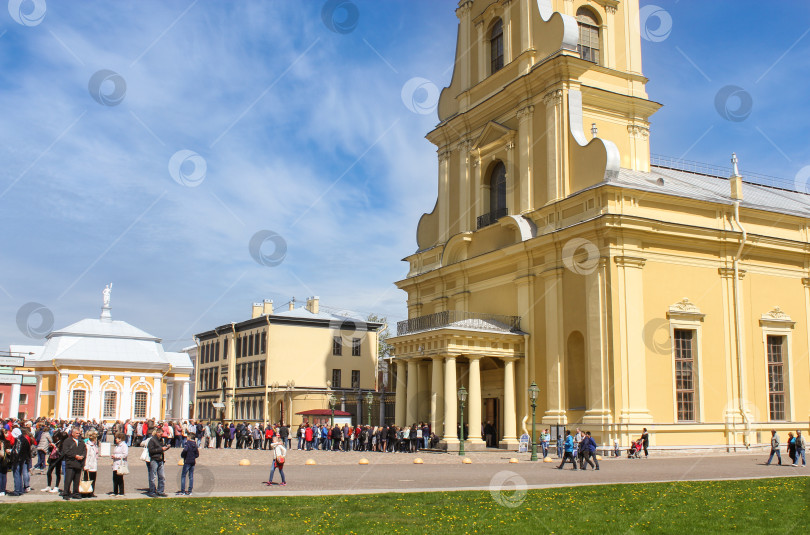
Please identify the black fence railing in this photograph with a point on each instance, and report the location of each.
(490, 218)
(456, 318)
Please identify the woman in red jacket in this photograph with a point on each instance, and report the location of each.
(308, 437)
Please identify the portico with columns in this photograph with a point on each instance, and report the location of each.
(451, 350)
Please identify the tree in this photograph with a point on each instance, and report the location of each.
(383, 348)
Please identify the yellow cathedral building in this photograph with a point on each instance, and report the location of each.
(633, 295)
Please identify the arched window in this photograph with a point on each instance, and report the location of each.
(496, 47)
(497, 190)
(588, 46)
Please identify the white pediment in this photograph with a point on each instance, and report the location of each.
(492, 134)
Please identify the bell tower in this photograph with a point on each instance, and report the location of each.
(547, 98)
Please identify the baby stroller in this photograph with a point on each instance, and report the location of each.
(635, 450)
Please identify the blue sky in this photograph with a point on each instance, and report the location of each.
(299, 129)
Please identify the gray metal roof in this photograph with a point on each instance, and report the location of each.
(714, 189)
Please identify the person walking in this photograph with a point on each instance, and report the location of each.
(74, 452)
(189, 454)
(800, 448)
(568, 446)
(774, 448)
(120, 465)
(279, 457)
(588, 446)
(791, 448)
(156, 465)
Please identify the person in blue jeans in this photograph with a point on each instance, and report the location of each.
(800, 448)
(189, 454)
(568, 446)
(279, 457)
(774, 448)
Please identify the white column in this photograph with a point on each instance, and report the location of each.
(509, 406)
(63, 396)
(507, 33)
(126, 399)
(523, 180)
(413, 399)
(184, 401)
(474, 400)
(450, 401)
(401, 399)
(157, 395)
(39, 397)
(436, 400)
(14, 404)
(94, 409)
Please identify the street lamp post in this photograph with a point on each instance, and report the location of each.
(332, 402)
(369, 400)
(533, 391)
(462, 397)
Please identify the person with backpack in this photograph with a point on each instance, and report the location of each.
(279, 457)
(55, 461)
(189, 454)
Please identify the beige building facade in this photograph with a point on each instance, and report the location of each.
(280, 363)
(634, 295)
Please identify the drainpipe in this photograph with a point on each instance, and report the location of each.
(736, 194)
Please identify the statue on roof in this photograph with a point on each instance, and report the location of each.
(106, 293)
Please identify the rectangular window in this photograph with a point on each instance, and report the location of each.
(776, 377)
(244, 346)
(264, 342)
(23, 399)
(225, 350)
(250, 345)
(77, 408)
(588, 45)
(2, 397)
(139, 407)
(216, 351)
(355, 378)
(685, 374)
(335, 378)
(238, 347)
(337, 346)
(110, 404)
(355, 347)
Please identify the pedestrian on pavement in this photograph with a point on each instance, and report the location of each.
(791, 448)
(568, 446)
(800, 447)
(279, 457)
(645, 441)
(74, 452)
(120, 466)
(545, 438)
(588, 446)
(91, 462)
(156, 464)
(189, 454)
(559, 445)
(774, 448)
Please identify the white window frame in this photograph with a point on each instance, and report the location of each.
(686, 315)
(777, 323)
(23, 399)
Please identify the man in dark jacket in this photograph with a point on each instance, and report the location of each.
(74, 452)
(156, 449)
(189, 454)
(588, 446)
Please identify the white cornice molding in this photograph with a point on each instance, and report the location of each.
(776, 318)
(685, 310)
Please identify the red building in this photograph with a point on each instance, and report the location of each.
(28, 401)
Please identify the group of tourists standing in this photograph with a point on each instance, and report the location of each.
(385, 438)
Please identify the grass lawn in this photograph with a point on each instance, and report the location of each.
(760, 505)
